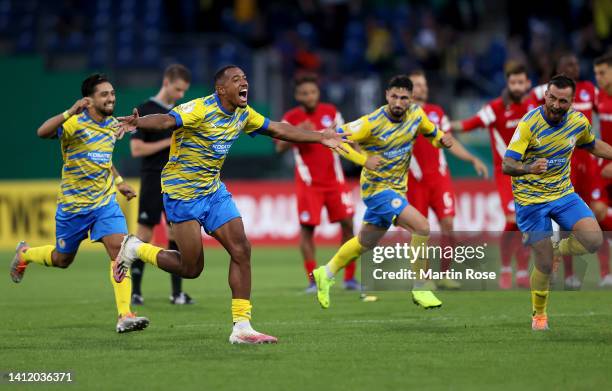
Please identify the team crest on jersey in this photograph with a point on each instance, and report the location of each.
(304, 216)
(596, 194)
(355, 125)
(585, 96)
(187, 107)
(396, 203)
(572, 141)
(326, 121)
(434, 117)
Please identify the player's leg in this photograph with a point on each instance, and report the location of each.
(339, 206)
(535, 223)
(109, 227)
(309, 205)
(144, 233)
(225, 224)
(599, 207)
(178, 296)
(442, 201)
(412, 220)
(70, 230)
(127, 321)
(510, 239)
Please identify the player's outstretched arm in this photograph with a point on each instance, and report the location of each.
(152, 123)
(601, 149)
(462, 153)
(283, 131)
(514, 167)
(49, 128)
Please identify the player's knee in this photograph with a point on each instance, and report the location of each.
(241, 251)
(192, 272)
(592, 242)
(63, 261)
(600, 210)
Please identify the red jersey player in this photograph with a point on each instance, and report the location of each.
(318, 176)
(429, 181)
(584, 166)
(501, 116)
(603, 76)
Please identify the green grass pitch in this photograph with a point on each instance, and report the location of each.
(58, 320)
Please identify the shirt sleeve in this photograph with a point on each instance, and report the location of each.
(519, 142)
(66, 130)
(189, 114)
(360, 129)
(586, 139)
(255, 122)
(429, 129)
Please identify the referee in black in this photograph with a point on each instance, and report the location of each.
(154, 149)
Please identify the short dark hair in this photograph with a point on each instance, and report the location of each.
(515, 68)
(221, 72)
(305, 77)
(177, 71)
(605, 59)
(400, 81)
(88, 87)
(562, 81)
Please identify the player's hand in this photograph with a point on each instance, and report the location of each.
(446, 141)
(127, 124)
(334, 140)
(373, 162)
(80, 105)
(480, 168)
(538, 167)
(126, 190)
(456, 126)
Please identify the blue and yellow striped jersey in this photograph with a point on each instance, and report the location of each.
(378, 134)
(87, 149)
(536, 138)
(205, 132)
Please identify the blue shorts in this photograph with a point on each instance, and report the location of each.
(536, 220)
(211, 211)
(383, 208)
(72, 228)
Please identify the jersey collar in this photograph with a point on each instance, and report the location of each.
(221, 106)
(548, 121)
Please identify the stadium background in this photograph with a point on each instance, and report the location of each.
(46, 49)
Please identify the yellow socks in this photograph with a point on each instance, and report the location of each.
(421, 262)
(241, 310)
(350, 250)
(148, 253)
(41, 255)
(571, 246)
(539, 291)
(123, 292)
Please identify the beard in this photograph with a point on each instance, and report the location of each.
(104, 111)
(398, 112)
(516, 96)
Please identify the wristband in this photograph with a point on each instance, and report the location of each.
(66, 115)
(118, 180)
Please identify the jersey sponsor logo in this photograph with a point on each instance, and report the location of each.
(326, 121)
(99, 157)
(187, 107)
(434, 117)
(605, 117)
(396, 152)
(556, 162)
(584, 95)
(582, 106)
(222, 148)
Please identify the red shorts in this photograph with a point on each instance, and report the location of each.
(504, 189)
(435, 193)
(586, 178)
(310, 202)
